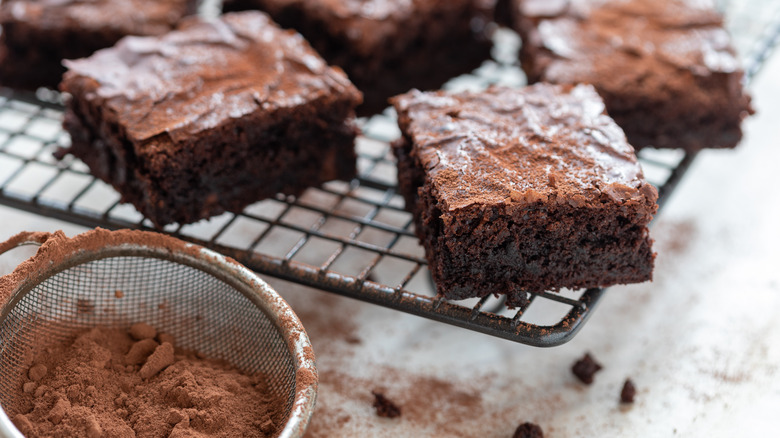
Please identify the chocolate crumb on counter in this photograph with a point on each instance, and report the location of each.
(528, 430)
(385, 407)
(628, 392)
(585, 368)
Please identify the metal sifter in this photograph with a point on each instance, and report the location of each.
(209, 303)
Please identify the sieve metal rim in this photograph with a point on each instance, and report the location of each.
(72, 251)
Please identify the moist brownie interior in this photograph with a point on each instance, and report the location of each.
(211, 118)
(523, 190)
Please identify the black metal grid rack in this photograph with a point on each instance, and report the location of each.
(351, 238)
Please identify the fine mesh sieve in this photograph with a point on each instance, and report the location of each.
(209, 303)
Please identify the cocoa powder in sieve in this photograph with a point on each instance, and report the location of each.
(108, 383)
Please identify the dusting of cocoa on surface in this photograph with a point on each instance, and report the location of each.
(676, 237)
(344, 400)
(426, 401)
(325, 330)
(96, 386)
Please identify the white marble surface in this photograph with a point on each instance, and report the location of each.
(701, 342)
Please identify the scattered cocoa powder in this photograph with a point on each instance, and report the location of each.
(325, 331)
(586, 368)
(528, 430)
(426, 402)
(384, 407)
(107, 383)
(628, 392)
(676, 237)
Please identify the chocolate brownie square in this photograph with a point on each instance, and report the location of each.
(39, 34)
(517, 190)
(211, 117)
(665, 68)
(388, 47)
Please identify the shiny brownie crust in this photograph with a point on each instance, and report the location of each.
(389, 47)
(523, 190)
(666, 69)
(211, 118)
(38, 34)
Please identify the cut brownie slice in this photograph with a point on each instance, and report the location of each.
(389, 46)
(523, 190)
(211, 117)
(39, 34)
(665, 68)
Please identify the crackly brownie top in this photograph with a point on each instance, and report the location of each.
(371, 25)
(594, 41)
(550, 143)
(134, 17)
(206, 73)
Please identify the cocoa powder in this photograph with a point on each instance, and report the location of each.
(107, 383)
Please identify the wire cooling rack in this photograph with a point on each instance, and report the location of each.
(351, 238)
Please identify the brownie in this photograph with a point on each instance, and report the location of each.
(517, 190)
(665, 68)
(503, 12)
(39, 34)
(388, 47)
(528, 430)
(384, 407)
(584, 369)
(211, 117)
(628, 392)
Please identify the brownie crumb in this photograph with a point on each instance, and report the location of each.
(384, 407)
(585, 368)
(628, 392)
(352, 339)
(528, 430)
